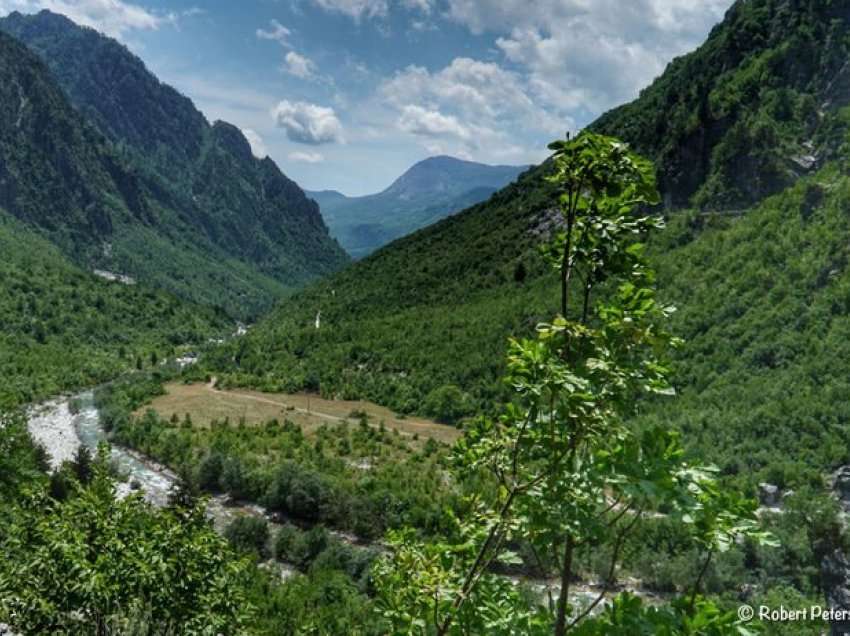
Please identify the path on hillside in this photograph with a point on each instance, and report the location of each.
(210, 386)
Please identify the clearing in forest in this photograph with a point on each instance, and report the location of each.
(204, 403)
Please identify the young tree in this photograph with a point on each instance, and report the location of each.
(571, 474)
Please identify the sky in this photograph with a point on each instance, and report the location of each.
(348, 94)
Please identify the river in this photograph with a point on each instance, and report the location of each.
(61, 431)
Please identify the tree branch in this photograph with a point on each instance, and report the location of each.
(609, 580)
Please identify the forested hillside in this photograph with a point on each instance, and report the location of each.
(197, 213)
(422, 325)
(62, 328)
(762, 102)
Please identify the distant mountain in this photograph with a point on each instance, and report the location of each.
(429, 191)
(206, 218)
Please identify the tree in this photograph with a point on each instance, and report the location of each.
(248, 534)
(447, 404)
(571, 475)
(82, 464)
(94, 564)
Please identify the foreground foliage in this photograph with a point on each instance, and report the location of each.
(91, 563)
(571, 472)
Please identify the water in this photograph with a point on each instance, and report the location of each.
(53, 425)
(154, 481)
(61, 432)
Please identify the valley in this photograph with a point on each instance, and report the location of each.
(598, 387)
(427, 192)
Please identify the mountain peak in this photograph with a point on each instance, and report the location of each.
(233, 139)
(428, 191)
(445, 174)
(249, 232)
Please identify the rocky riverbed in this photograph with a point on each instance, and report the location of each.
(61, 430)
(52, 425)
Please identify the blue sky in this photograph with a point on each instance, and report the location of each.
(347, 94)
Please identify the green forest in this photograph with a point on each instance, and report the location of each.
(611, 399)
(63, 329)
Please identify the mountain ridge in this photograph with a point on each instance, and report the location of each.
(435, 308)
(762, 102)
(206, 194)
(425, 193)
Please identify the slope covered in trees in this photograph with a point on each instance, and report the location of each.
(139, 181)
(422, 324)
(62, 328)
(763, 101)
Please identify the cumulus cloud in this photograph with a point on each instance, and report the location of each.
(298, 65)
(307, 123)
(306, 157)
(590, 55)
(113, 17)
(276, 32)
(356, 9)
(431, 123)
(473, 107)
(258, 146)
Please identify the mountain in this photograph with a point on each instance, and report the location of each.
(762, 291)
(761, 103)
(206, 219)
(429, 191)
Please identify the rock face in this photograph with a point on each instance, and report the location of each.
(835, 566)
(841, 487)
(750, 111)
(769, 495)
(835, 577)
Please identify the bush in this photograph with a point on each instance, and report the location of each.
(249, 534)
(447, 404)
(209, 472)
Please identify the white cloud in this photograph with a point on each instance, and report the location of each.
(431, 123)
(308, 123)
(478, 91)
(474, 108)
(306, 157)
(298, 65)
(424, 6)
(356, 9)
(258, 146)
(278, 33)
(113, 17)
(579, 54)
(359, 9)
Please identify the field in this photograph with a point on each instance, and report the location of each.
(204, 403)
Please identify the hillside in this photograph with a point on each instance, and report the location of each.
(434, 310)
(62, 328)
(762, 102)
(207, 219)
(429, 191)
